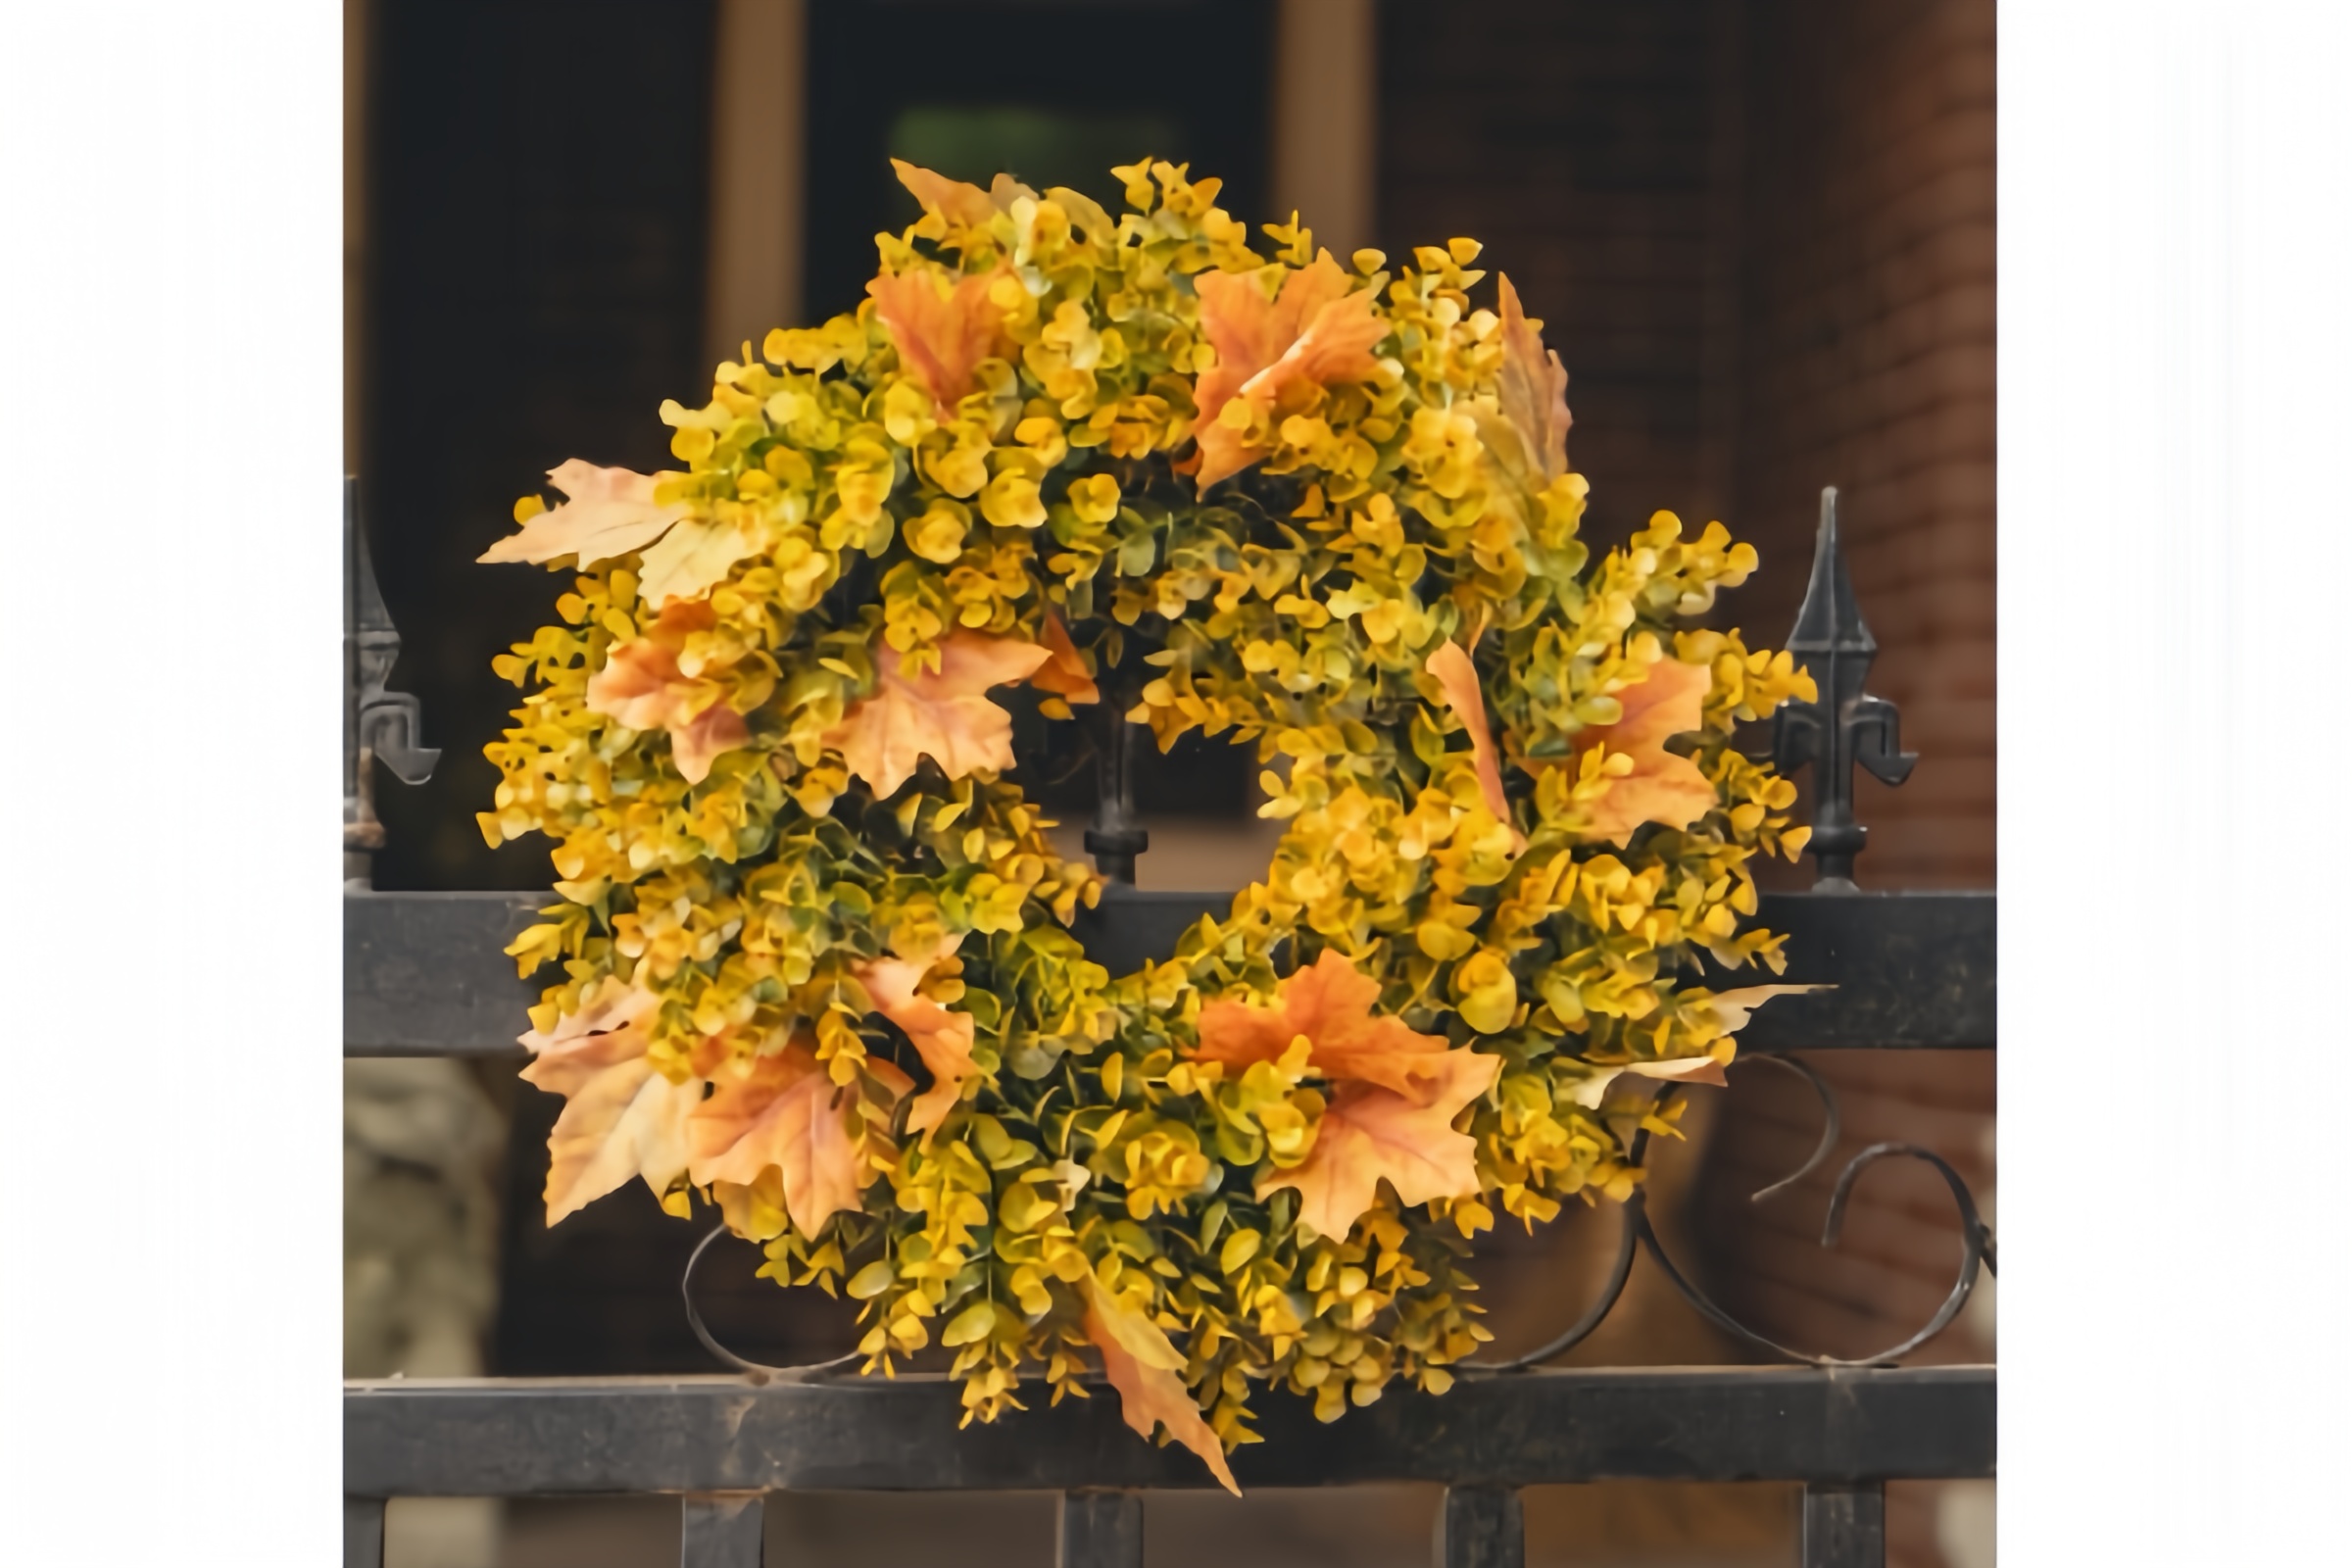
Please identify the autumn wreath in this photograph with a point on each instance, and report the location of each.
(816, 949)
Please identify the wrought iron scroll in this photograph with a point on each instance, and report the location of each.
(1636, 1234)
(756, 1371)
(378, 725)
(1842, 727)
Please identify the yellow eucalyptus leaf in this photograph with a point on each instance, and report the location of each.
(972, 1323)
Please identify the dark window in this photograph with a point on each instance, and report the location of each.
(1053, 92)
(536, 277)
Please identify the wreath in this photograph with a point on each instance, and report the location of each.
(817, 968)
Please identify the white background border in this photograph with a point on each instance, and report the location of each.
(171, 1142)
(2175, 194)
(2176, 198)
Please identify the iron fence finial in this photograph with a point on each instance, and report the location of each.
(1842, 725)
(378, 725)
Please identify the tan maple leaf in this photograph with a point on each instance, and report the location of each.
(1590, 1092)
(643, 687)
(942, 1037)
(942, 330)
(1143, 1367)
(606, 512)
(621, 1118)
(942, 714)
(781, 1112)
(1662, 787)
(1731, 1010)
(1457, 681)
(1313, 331)
(1063, 673)
(1732, 1007)
(1532, 386)
(692, 559)
(1370, 1134)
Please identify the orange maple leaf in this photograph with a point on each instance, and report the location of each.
(1330, 1004)
(942, 330)
(1368, 1134)
(1662, 787)
(621, 1118)
(941, 714)
(756, 1212)
(942, 1038)
(608, 512)
(642, 687)
(1314, 330)
(1532, 385)
(962, 204)
(1063, 673)
(782, 1113)
(1457, 681)
(1398, 1092)
(1142, 1366)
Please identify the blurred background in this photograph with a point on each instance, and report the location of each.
(1761, 237)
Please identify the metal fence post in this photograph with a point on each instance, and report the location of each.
(1100, 1530)
(362, 1533)
(720, 1530)
(1845, 1526)
(1484, 1528)
(1115, 838)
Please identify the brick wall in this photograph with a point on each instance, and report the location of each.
(1575, 139)
(1866, 360)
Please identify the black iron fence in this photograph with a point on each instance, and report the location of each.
(424, 976)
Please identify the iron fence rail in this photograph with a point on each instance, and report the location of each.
(719, 1443)
(424, 976)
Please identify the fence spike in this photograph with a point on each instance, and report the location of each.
(1842, 725)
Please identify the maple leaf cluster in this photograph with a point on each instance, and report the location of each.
(814, 946)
